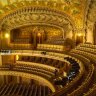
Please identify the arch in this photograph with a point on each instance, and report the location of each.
(34, 15)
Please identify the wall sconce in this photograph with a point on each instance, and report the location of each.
(79, 38)
(7, 35)
(39, 36)
(17, 57)
(79, 34)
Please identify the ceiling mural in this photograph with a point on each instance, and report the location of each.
(73, 8)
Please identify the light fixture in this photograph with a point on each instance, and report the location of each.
(7, 35)
(54, 4)
(39, 34)
(64, 74)
(17, 57)
(45, 2)
(37, 2)
(79, 34)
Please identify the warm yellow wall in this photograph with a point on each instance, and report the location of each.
(8, 58)
(0, 60)
(90, 36)
(1, 77)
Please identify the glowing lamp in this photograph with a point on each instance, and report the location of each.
(17, 57)
(39, 34)
(79, 34)
(7, 35)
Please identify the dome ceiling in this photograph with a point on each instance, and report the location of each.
(73, 8)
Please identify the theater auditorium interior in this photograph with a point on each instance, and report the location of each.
(47, 47)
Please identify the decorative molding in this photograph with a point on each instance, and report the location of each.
(35, 15)
(75, 9)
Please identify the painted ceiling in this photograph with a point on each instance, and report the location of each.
(74, 8)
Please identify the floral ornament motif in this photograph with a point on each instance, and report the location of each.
(68, 1)
(75, 11)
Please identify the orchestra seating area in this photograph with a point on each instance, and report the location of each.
(20, 89)
(80, 79)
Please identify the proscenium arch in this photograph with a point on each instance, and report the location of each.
(40, 10)
(30, 76)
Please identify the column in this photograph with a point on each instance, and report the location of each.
(89, 34)
(80, 34)
(1, 77)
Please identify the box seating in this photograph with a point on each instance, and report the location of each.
(50, 47)
(56, 40)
